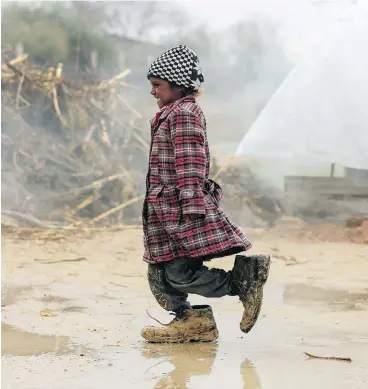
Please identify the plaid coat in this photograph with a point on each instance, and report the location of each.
(178, 185)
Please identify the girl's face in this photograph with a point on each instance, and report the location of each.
(163, 92)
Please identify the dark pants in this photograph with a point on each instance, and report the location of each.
(171, 282)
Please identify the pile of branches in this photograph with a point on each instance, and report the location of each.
(248, 200)
(71, 152)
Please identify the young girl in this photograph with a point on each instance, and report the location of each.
(182, 222)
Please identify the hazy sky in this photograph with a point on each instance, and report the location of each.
(221, 14)
(302, 22)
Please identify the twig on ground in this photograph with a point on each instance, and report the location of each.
(46, 261)
(114, 283)
(329, 358)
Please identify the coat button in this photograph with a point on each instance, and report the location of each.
(188, 193)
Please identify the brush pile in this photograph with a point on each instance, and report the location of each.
(72, 151)
(248, 200)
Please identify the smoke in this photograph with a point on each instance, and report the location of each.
(244, 58)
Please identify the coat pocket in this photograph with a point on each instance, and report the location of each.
(198, 237)
(167, 207)
(192, 237)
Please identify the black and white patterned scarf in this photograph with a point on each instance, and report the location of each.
(179, 65)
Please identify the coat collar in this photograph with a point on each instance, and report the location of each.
(166, 111)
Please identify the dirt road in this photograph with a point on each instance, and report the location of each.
(76, 324)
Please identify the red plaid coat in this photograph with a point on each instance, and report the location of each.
(178, 185)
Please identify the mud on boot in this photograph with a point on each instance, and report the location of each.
(248, 277)
(190, 325)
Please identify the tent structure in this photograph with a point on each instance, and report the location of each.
(320, 112)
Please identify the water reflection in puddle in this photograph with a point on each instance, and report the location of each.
(188, 360)
(334, 298)
(16, 342)
(196, 363)
(11, 295)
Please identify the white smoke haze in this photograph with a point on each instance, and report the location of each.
(247, 49)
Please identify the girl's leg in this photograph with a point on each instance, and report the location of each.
(191, 323)
(171, 282)
(166, 295)
(191, 276)
(246, 280)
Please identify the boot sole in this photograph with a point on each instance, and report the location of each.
(207, 337)
(253, 302)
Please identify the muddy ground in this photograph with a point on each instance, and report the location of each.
(76, 324)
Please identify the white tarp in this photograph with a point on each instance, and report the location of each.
(320, 112)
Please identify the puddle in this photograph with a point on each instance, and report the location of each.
(193, 363)
(249, 374)
(16, 342)
(188, 360)
(11, 295)
(335, 299)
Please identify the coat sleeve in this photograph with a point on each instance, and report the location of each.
(188, 137)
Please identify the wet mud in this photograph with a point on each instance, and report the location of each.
(77, 325)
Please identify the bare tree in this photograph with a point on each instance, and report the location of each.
(145, 20)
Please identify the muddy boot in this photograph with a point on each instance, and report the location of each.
(190, 325)
(248, 277)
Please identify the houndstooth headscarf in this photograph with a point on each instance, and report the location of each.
(179, 65)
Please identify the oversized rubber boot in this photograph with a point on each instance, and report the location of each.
(190, 325)
(248, 277)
